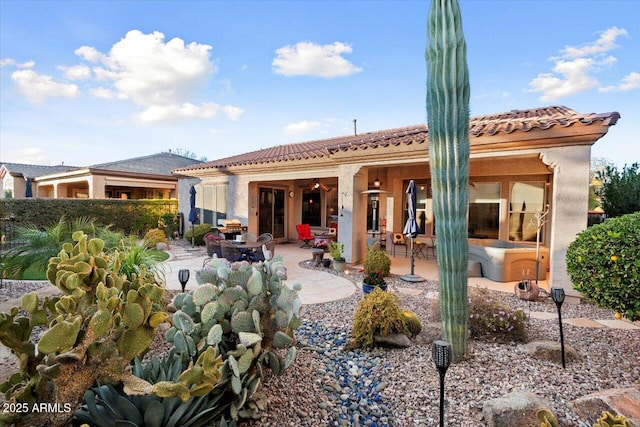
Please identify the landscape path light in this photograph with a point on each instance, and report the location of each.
(557, 294)
(442, 359)
(183, 277)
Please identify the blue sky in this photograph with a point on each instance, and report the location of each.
(86, 82)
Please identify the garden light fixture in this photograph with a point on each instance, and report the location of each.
(183, 277)
(442, 359)
(557, 294)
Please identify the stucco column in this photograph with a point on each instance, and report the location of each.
(570, 203)
(352, 222)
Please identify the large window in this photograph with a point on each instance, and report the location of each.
(525, 199)
(484, 210)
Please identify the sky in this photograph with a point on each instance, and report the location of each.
(88, 82)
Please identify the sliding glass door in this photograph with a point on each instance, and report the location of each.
(271, 211)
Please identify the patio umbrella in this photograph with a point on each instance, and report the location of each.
(411, 228)
(28, 191)
(193, 213)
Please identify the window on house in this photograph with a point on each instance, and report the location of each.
(484, 210)
(525, 199)
(311, 208)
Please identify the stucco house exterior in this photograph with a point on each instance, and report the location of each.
(147, 177)
(521, 162)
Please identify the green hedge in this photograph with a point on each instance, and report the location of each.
(604, 264)
(127, 216)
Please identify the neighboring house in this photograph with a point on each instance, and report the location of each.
(14, 176)
(521, 162)
(148, 177)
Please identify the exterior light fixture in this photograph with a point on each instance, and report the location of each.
(557, 294)
(183, 277)
(317, 184)
(442, 359)
(376, 183)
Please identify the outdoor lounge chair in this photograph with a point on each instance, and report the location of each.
(305, 234)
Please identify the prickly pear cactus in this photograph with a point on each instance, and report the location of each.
(247, 315)
(101, 323)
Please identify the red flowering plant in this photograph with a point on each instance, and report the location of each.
(375, 278)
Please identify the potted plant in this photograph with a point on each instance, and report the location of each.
(374, 279)
(318, 249)
(336, 249)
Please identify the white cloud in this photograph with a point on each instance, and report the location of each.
(12, 62)
(573, 70)
(102, 92)
(151, 72)
(630, 81)
(310, 59)
(303, 126)
(76, 72)
(38, 87)
(27, 156)
(186, 111)
(605, 43)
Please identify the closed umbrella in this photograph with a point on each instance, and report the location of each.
(411, 228)
(28, 191)
(193, 213)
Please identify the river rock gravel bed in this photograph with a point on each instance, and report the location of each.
(331, 386)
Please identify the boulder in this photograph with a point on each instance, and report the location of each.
(549, 350)
(516, 409)
(161, 246)
(392, 340)
(618, 401)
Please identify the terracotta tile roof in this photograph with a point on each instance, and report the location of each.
(508, 122)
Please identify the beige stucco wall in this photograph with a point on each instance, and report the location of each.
(570, 202)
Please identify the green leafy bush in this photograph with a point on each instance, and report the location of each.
(490, 319)
(377, 260)
(378, 314)
(153, 237)
(604, 265)
(198, 233)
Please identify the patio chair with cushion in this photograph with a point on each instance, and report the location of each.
(398, 239)
(305, 234)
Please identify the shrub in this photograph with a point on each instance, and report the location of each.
(490, 319)
(153, 237)
(604, 266)
(336, 249)
(378, 314)
(376, 259)
(198, 233)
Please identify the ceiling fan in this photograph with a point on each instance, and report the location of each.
(317, 185)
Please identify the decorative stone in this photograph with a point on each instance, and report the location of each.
(549, 350)
(161, 246)
(618, 401)
(517, 409)
(393, 340)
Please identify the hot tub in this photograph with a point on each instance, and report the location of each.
(504, 261)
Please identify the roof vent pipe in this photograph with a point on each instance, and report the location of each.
(355, 132)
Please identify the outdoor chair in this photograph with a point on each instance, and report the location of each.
(230, 251)
(305, 234)
(257, 255)
(398, 239)
(264, 237)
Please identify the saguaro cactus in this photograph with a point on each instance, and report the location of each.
(448, 119)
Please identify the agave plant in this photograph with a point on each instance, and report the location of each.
(109, 406)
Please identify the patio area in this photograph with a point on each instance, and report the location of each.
(319, 286)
